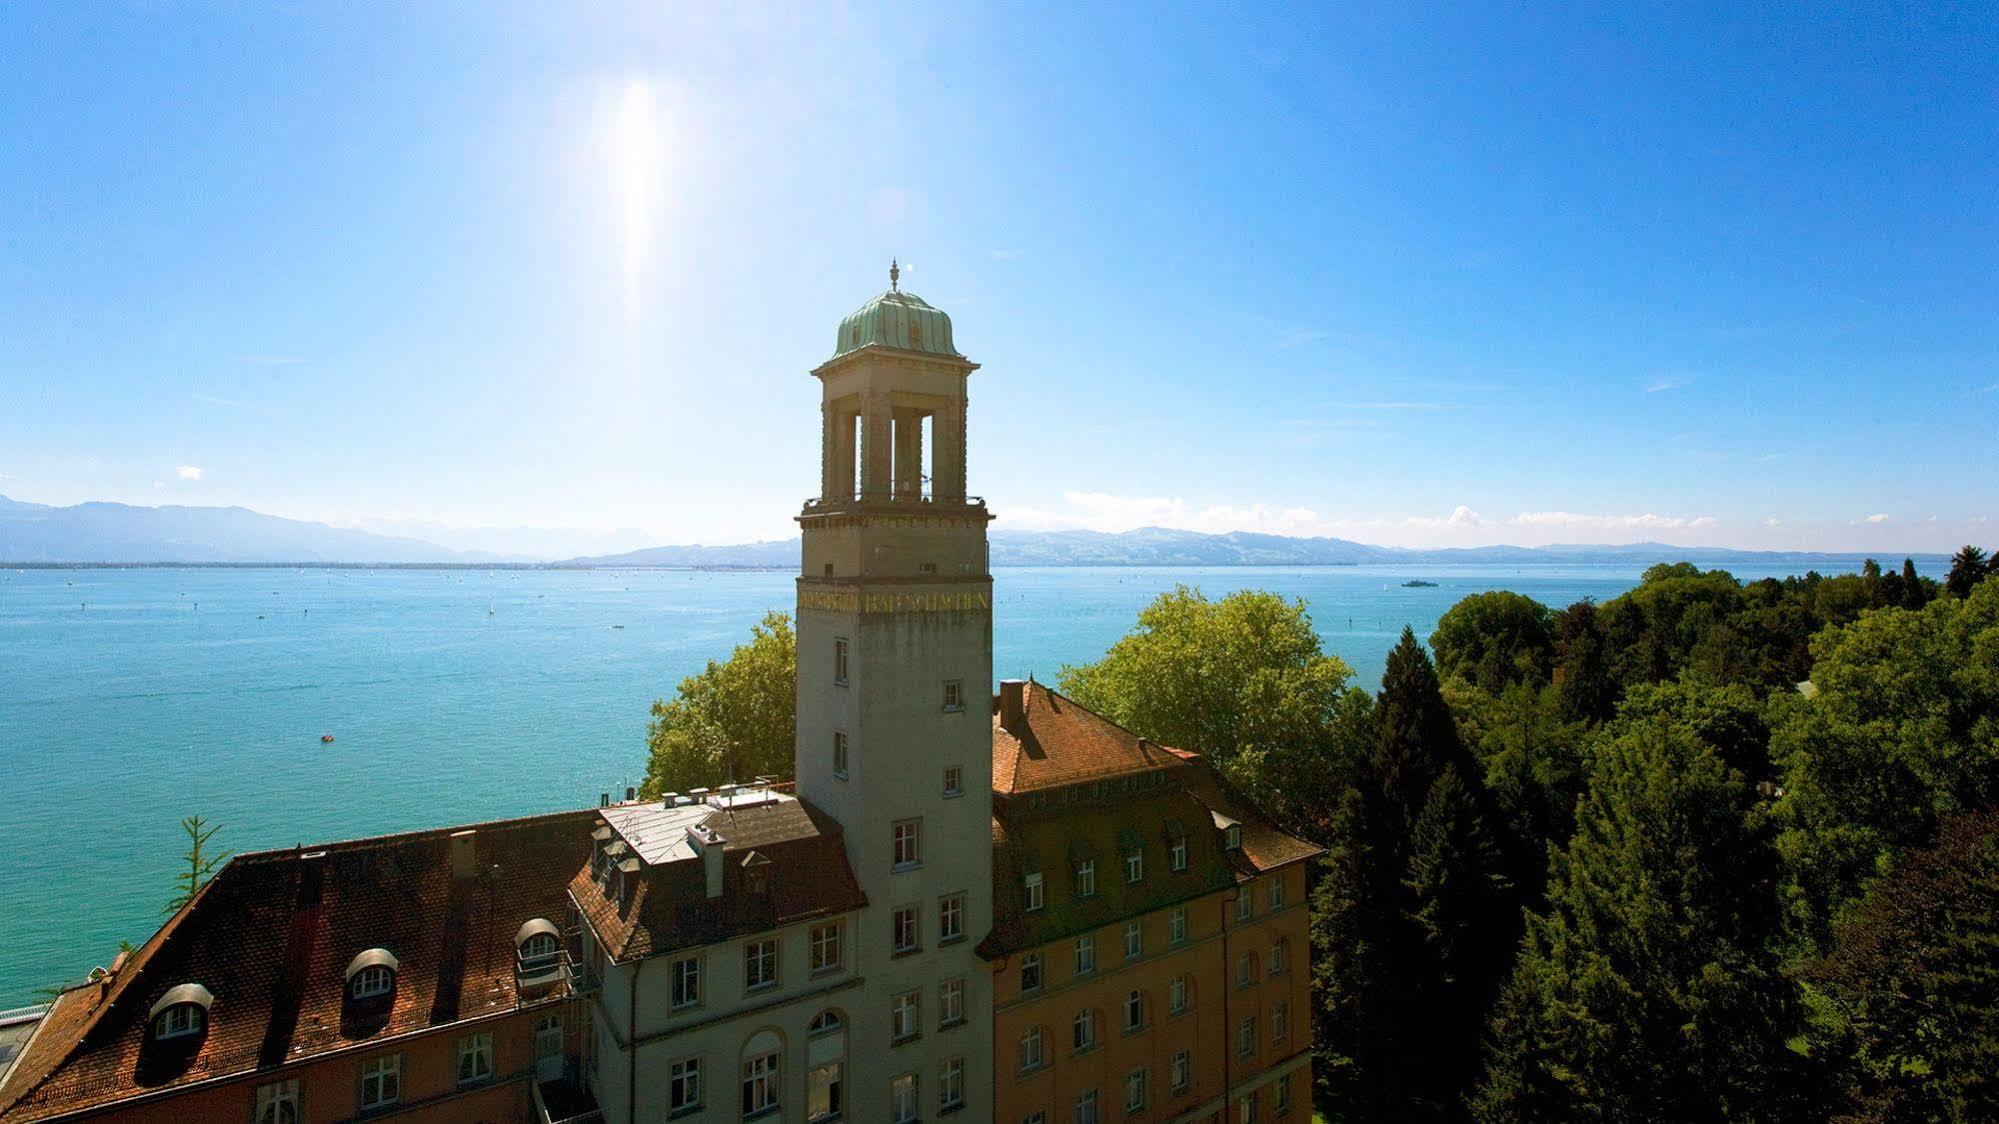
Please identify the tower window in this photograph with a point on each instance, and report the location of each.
(840, 661)
(954, 694)
(954, 780)
(839, 753)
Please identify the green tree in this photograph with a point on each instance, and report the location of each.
(1493, 639)
(736, 720)
(1408, 911)
(1915, 591)
(1243, 680)
(1647, 988)
(1727, 719)
(1582, 672)
(1900, 729)
(1968, 567)
(200, 861)
(1913, 978)
(1531, 755)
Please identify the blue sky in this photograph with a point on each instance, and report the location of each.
(1441, 274)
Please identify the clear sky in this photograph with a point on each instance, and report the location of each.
(1723, 275)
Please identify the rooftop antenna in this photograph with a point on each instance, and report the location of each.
(894, 276)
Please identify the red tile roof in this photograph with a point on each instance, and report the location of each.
(669, 909)
(271, 936)
(1066, 743)
(1073, 784)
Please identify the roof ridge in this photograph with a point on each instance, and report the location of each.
(278, 853)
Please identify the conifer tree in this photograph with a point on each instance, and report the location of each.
(1587, 692)
(1914, 594)
(1648, 988)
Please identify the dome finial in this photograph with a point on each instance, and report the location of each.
(894, 276)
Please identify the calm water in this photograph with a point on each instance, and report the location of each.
(131, 698)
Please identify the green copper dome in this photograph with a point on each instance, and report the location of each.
(896, 319)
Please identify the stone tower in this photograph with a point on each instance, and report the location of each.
(894, 693)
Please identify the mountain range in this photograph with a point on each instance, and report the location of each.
(124, 534)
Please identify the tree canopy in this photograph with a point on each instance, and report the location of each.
(1243, 680)
(736, 720)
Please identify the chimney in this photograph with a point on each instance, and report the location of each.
(461, 854)
(631, 794)
(708, 843)
(603, 800)
(1013, 706)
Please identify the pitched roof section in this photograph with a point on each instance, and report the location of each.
(1062, 742)
(667, 908)
(1153, 795)
(271, 936)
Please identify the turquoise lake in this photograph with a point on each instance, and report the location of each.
(132, 698)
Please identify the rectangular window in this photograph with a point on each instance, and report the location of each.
(904, 926)
(1031, 1050)
(902, 1098)
(1277, 959)
(1086, 878)
(826, 947)
(760, 1084)
(1030, 972)
(908, 835)
(1083, 1032)
(1176, 854)
(687, 982)
(840, 661)
(1245, 1110)
(1035, 1118)
(1183, 1071)
(950, 918)
(381, 1081)
(475, 1058)
(951, 1002)
(1277, 892)
(1176, 995)
(954, 780)
(1134, 940)
(683, 1084)
(954, 694)
(1176, 925)
(1245, 969)
(1134, 867)
(1134, 1012)
(277, 1103)
(839, 753)
(1245, 1036)
(759, 964)
(1134, 1092)
(1245, 903)
(1032, 884)
(1086, 955)
(905, 1020)
(1280, 1022)
(1281, 1105)
(951, 1085)
(1086, 1108)
(822, 1093)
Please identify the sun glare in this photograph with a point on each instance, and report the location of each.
(637, 155)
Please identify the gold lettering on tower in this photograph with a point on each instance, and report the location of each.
(848, 601)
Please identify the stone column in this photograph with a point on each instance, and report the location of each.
(875, 452)
(908, 454)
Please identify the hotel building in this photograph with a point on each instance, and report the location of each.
(1002, 908)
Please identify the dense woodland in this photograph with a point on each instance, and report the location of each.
(1709, 850)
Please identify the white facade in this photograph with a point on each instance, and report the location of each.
(894, 720)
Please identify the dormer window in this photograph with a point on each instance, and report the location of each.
(372, 974)
(538, 952)
(181, 1013)
(1232, 838)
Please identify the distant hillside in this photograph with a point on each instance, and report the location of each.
(1159, 546)
(124, 534)
(121, 534)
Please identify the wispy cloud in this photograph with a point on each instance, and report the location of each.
(1006, 255)
(232, 404)
(1878, 517)
(1987, 389)
(188, 472)
(1664, 384)
(1460, 516)
(1648, 521)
